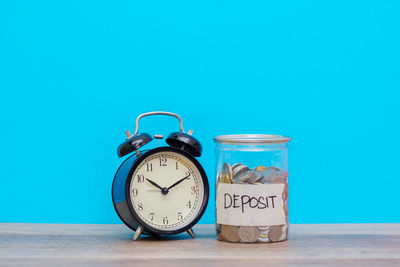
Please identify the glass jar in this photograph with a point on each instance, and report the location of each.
(251, 188)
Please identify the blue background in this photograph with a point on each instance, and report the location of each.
(75, 74)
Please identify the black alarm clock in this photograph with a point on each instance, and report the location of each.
(161, 191)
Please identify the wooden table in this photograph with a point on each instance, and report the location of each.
(75, 245)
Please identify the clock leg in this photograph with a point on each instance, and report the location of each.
(191, 233)
(138, 232)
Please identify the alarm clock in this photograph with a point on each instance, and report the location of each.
(160, 191)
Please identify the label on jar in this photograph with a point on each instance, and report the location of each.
(250, 205)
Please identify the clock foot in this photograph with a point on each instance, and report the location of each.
(191, 233)
(138, 232)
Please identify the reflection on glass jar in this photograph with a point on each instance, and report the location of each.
(251, 188)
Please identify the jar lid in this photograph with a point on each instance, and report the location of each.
(251, 138)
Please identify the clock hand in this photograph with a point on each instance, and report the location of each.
(153, 183)
(180, 181)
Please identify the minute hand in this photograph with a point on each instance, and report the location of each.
(180, 181)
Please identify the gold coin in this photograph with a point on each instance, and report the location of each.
(263, 228)
(231, 233)
(226, 173)
(263, 235)
(224, 179)
(260, 168)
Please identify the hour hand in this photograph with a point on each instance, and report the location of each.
(154, 183)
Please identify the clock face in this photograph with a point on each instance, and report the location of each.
(166, 191)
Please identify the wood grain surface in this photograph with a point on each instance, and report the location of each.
(111, 245)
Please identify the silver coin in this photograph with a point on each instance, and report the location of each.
(257, 176)
(264, 236)
(278, 180)
(270, 174)
(275, 233)
(263, 239)
(263, 228)
(248, 234)
(285, 229)
(242, 177)
(231, 233)
(235, 165)
(238, 169)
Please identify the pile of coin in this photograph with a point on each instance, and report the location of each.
(241, 174)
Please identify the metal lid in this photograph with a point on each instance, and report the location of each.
(251, 139)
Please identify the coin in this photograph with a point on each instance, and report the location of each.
(272, 176)
(248, 234)
(225, 179)
(244, 177)
(238, 169)
(260, 168)
(263, 239)
(285, 233)
(275, 232)
(235, 165)
(283, 236)
(241, 174)
(226, 174)
(268, 174)
(231, 233)
(264, 235)
(220, 237)
(278, 180)
(257, 176)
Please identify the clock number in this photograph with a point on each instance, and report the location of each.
(149, 167)
(165, 220)
(151, 216)
(134, 192)
(194, 190)
(176, 165)
(140, 207)
(140, 178)
(188, 175)
(180, 217)
(163, 162)
(189, 205)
